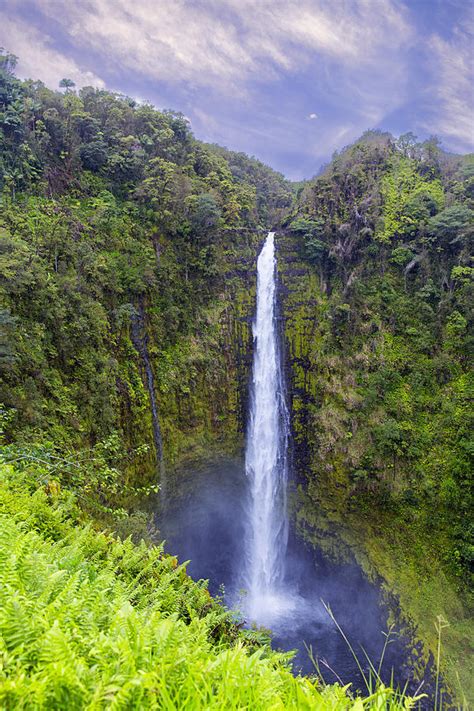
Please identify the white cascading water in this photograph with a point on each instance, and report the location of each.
(266, 455)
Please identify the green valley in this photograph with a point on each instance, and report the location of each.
(127, 291)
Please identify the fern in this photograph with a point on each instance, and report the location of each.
(91, 622)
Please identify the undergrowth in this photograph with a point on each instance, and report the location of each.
(89, 621)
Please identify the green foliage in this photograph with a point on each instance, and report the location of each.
(89, 621)
(204, 215)
(122, 243)
(455, 222)
(312, 232)
(381, 344)
(95, 475)
(113, 248)
(409, 200)
(67, 84)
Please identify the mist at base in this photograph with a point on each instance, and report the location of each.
(203, 522)
(272, 608)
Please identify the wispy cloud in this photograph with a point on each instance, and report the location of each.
(38, 59)
(228, 42)
(452, 114)
(287, 80)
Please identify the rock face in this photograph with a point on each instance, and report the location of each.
(298, 304)
(208, 418)
(202, 415)
(139, 338)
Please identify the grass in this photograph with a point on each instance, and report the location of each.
(408, 562)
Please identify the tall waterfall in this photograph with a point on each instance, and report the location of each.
(266, 453)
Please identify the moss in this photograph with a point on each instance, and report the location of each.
(406, 560)
(333, 439)
(203, 396)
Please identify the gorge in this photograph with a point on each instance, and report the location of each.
(232, 524)
(133, 262)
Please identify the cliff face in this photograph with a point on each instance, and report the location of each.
(378, 333)
(333, 426)
(299, 298)
(209, 414)
(123, 299)
(405, 544)
(203, 415)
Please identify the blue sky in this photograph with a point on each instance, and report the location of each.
(289, 81)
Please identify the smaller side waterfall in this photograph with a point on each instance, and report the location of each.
(140, 341)
(266, 453)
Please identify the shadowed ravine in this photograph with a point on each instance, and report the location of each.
(230, 520)
(205, 524)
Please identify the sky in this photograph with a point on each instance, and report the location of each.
(288, 81)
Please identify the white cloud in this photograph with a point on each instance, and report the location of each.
(452, 116)
(312, 117)
(225, 43)
(38, 59)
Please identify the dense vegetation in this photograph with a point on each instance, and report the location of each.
(122, 323)
(116, 231)
(89, 621)
(389, 227)
(385, 423)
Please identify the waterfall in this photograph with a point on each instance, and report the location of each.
(266, 453)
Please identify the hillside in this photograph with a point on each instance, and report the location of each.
(379, 332)
(89, 621)
(118, 229)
